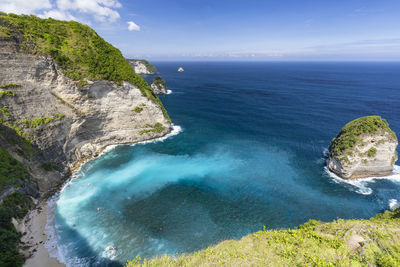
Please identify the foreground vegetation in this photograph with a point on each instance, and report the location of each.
(373, 242)
(352, 133)
(78, 50)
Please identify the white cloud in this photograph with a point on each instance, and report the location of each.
(99, 10)
(23, 6)
(58, 14)
(132, 26)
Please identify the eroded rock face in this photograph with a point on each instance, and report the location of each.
(84, 120)
(365, 147)
(140, 67)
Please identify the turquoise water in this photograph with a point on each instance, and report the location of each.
(251, 152)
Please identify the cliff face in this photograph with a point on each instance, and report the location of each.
(141, 66)
(63, 123)
(365, 147)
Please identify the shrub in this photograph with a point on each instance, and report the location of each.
(138, 109)
(10, 169)
(10, 85)
(372, 152)
(156, 128)
(6, 92)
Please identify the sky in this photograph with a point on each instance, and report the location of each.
(269, 30)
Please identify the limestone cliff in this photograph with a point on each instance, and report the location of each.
(50, 122)
(365, 147)
(142, 66)
(158, 85)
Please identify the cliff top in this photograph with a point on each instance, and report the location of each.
(353, 131)
(79, 51)
(372, 242)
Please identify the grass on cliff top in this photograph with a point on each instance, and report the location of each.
(150, 67)
(351, 133)
(158, 81)
(311, 244)
(78, 50)
(10, 170)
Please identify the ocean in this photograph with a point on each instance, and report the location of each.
(249, 150)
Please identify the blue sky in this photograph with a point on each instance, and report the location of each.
(350, 30)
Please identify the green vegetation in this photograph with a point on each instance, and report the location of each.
(150, 67)
(159, 82)
(372, 152)
(311, 244)
(10, 85)
(35, 122)
(138, 109)
(50, 166)
(10, 169)
(5, 32)
(58, 116)
(78, 50)
(19, 127)
(352, 133)
(82, 83)
(6, 92)
(156, 128)
(15, 205)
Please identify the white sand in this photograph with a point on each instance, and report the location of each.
(34, 238)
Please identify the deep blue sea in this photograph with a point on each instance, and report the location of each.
(251, 153)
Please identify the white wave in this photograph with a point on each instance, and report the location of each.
(361, 184)
(169, 92)
(325, 152)
(52, 244)
(393, 203)
(109, 252)
(176, 129)
(50, 229)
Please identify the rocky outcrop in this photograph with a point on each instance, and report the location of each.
(365, 147)
(63, 124)
(141, 66)
(158, 85)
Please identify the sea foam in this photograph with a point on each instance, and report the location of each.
(360, 185)
(52, 244)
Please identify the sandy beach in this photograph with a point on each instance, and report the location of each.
(34, 237)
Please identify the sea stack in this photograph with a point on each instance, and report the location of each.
(158, 85)
(365, 147)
